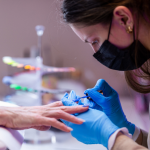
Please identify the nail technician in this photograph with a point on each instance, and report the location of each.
(118, 32)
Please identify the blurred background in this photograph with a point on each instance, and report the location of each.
(60, 48)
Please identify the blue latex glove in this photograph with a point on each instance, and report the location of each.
(97, 127)
(109, 103)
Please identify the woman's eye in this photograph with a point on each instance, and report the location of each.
(95, 42)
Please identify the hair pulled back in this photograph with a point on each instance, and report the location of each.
(91, 12)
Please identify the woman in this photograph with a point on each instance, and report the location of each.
(118, 32)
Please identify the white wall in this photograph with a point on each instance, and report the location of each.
(17, 21)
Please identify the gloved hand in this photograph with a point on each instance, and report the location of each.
(109, 103)
(97, 127)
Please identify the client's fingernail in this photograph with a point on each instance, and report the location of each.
(82, 120)
(85, 105)
(70, 129)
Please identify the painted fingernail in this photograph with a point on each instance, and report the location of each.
(85, 105)
(82, 120)
(70, 129)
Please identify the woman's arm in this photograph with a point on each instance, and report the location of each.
(40, 117)
(125, 143)
(140, 138)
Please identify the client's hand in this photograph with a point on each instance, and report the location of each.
(97, 127)
(109, 103)
(40, 117)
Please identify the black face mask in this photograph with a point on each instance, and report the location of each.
(122, 59)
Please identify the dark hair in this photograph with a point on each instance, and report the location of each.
(91, 12)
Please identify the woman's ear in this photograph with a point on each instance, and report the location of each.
(124, 17)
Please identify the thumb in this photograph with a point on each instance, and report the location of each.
(104, 86)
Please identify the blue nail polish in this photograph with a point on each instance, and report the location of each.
(86, 105)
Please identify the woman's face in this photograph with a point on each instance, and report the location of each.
(95, 35)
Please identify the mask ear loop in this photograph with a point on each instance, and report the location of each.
(135, 51)
(109, 28)
(133, 34)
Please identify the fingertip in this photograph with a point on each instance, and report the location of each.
(85, 105)
(72, 91)
(93, 91)
(78, 120)
(100, 81)
(100, 84)
(95, 95)
(66, 95)
(72, 95)
(66, 128)
(82, 121)
(86, 91)
(69, 129)
(90, 91)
